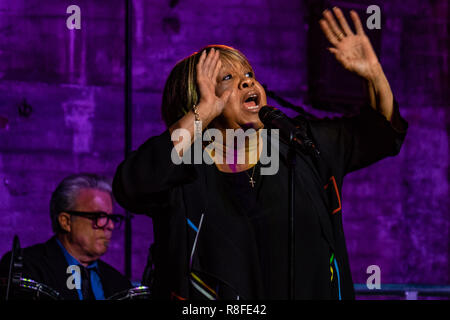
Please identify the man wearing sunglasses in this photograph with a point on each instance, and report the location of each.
(81, 214)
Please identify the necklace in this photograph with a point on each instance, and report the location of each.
(251, 181)
(219, 150)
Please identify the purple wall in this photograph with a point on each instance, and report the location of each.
(395, 212)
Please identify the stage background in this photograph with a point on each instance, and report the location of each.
(62, 111)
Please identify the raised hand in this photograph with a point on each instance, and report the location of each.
(208, 68)
(353, 51)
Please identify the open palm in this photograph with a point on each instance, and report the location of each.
(353, 51)
(208, 68)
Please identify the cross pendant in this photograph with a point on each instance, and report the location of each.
(252, 182)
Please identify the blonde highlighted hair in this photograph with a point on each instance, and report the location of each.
(181, 91)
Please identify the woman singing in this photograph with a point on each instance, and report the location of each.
(221, 229)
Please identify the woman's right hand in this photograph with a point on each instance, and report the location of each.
(208, 68)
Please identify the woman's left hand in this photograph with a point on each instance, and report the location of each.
(353, 51)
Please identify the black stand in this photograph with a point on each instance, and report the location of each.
(296, 136)
(147, 276)
(291, 211)
(15, 266)
(128, 123)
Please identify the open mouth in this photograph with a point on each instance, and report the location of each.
(251, 101)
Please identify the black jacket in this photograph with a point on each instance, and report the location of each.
(199, 236)
(46, 264)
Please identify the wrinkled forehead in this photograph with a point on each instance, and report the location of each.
(92, 199)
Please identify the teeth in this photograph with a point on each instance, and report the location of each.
(253, 97)
(253, 107)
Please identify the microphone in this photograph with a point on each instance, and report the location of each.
(273, 118)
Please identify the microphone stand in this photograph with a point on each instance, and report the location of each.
(147, 277)
(291, 210)
(15, 266)
(306, 146)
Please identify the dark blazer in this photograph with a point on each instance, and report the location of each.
(178, 197)
(45, 263)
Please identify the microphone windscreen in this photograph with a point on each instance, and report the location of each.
(264, 114)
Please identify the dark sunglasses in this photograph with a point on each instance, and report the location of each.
(100, 219)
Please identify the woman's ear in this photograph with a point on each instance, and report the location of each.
(64, 221)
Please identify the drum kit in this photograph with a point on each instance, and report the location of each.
(136, 293)
(18, 288)
(28, 289)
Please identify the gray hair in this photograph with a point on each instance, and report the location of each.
(65, 196)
